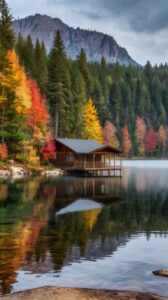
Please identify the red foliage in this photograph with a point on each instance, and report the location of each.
(151, 141)
(38, 114)
(127, 145)
(3, 151)
(49, 151)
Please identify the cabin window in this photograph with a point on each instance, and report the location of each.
(81, 158)
(69, 157)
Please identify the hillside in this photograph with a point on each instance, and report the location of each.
(94, 43)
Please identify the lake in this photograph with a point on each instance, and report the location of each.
(107, 233)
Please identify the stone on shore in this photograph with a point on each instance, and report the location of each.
(55, 293)
(4, 174)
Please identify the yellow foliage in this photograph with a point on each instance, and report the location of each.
(91, 217)
(22, 102)
(93, 129)
(29, 154)
(7, 83)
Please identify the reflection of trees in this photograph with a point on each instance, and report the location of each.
(22, 217)
(143, 210)
(31, 235)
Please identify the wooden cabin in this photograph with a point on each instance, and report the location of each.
(88, 158)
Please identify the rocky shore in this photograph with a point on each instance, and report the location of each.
(15, 172)
(56, 293)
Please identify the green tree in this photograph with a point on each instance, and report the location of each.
(7, 39)
(59, 87)
(40, 66)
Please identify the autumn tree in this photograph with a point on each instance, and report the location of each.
(127, 145)
(110, 135)
(92, 128)
(162, 138)
(151, 142)
(3, 151)
(37, 114)
(48, 151)
(140, 135)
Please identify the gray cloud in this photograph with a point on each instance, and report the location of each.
(138, 15)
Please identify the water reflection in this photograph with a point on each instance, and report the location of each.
(47, 225)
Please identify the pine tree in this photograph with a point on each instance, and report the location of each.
(29, 56)
(59, 87)
(78, 102)
(7, 39)
(40, 72)
(20, 48)
(83, 67)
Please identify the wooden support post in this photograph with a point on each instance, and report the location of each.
(94, 160)
(84, 161)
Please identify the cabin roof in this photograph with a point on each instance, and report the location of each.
(84, 146)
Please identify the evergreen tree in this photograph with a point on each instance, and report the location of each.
(78, 102)
(83, 67)
(40, 72)
(7, 39)
(59, 87)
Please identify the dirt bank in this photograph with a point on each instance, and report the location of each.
(54, 293)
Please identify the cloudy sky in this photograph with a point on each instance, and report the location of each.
(141, 26)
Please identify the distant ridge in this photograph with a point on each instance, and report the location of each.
(94, 43)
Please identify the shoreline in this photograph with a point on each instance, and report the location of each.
(60, 293)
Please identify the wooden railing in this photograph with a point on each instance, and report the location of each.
(95, 165)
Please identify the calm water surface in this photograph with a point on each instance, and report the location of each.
(96, 233)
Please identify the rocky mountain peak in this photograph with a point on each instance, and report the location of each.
(95, 44)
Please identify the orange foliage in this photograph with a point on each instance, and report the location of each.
(127, 145)
(38, 115)
(162, 134)
(141, 133)
(110, 135)
(23, 98)
(3, 151)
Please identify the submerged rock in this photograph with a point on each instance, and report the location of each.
(161, 273)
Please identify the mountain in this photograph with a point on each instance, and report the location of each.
(94, 43)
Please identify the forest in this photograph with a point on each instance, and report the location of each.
(126, 107)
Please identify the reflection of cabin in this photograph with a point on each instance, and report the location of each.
(88, 157)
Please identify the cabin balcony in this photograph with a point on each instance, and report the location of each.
(97, 165)
(102, 166)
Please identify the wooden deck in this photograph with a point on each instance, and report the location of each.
(93, 169)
